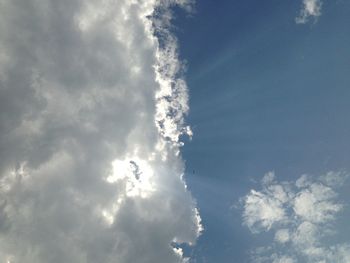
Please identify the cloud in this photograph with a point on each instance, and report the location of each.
(283, 259)
(264, 209)
(301, 215)
(282, 235)
(310, 9)
(91, 111)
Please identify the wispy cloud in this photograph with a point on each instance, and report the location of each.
(310, 9)
(301, 215)
(92, 106)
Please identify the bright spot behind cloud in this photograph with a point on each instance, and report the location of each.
(92, 107)
(301, 215)
(137, 176)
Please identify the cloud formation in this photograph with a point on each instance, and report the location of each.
(301, 215)
(310, 9)
(92, 106)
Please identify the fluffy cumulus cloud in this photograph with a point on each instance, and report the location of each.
(92, 105)
(310, 9)
(301, 215)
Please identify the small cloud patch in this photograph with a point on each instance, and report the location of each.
(301, 214)
(311, 9)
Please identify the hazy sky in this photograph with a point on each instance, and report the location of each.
(174, 131)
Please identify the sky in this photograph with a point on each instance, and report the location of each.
(269, 91)
(174, 131)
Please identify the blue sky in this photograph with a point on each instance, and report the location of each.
(99, 101)
(266, 94)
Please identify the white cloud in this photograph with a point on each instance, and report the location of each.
(261, 211)
(301, 214)
(282, 235)
(316, 203)
(91, 110)
(310, 9)
(265, 208)
(283, 259)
